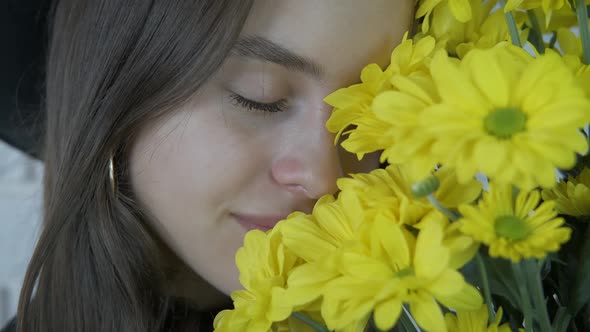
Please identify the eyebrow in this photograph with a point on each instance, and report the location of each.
(263, 49)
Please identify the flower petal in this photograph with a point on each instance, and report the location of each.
(387, 313)
(469, 298)
(488, 75)
(431, 257)
(428, 315)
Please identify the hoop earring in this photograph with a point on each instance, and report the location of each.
(112, 174)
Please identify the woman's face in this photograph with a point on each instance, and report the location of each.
(251, 146)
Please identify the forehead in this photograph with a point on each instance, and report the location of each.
(342, 36)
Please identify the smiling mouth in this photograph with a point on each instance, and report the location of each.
(263, 223)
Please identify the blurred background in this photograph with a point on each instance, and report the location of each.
(23, 38)
(20, 203)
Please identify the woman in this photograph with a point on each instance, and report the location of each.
(173, 127)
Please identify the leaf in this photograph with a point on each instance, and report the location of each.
(511, 315)
(580, 294)
(502, 280)
(562, 319)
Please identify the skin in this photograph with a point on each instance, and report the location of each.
(205, 166)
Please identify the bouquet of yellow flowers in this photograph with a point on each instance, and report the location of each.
(480, 220)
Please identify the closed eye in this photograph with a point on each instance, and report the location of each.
(251, 105)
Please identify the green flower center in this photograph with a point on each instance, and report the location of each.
(408, 271)
(511, 227)
(505, 122)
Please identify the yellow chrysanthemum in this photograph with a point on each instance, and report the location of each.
(333, 223)
(580, 70)
(352, 108)
(316, 239)
(571, 47)
(486, 29)
(514, 229)
(401, 111)
(502, 114)
(386, 189)
(341, 225)
(396, 269)
(463, 247)
(475, 321)
(352, 105)
(564, 17)
(569, 43)
(232, 320)
(293, 324)
(390, 190)
(460, 9)
(572, 197)
(547, 6)
(264, 264)
(411, 57)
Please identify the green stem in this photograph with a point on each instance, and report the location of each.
(525, 299)
(512, 27)
(452, 215)
(561, 320)
(582, 13)
(486, 287)
(538, 42)
(533, 274)
(307, 320)
(406, 322)
(553, 40)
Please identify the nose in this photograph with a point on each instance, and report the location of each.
(307, 164)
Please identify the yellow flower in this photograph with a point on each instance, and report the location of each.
(331, 224)
(572, 197)
(569, 43)
(293, 324)
(352, 105)
(460, 9)
(316, 239)
(396, 268)
(232, 320)
(411, 56)
(502, 114)
(548, 6)
(571, 47)
(451, 193)
(390, 191)
(463, 247)
(401, 111)
(514, 229)
(341, 225)
(486, 29)
(264, 264)
(475, 321)
(386, 190)
(564, 17)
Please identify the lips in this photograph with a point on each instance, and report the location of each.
(261, 222)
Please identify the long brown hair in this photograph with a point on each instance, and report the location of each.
(113, 66)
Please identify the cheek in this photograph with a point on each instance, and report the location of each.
(186, 170)
(173, 167)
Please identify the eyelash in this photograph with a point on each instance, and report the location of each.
(277, 106)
